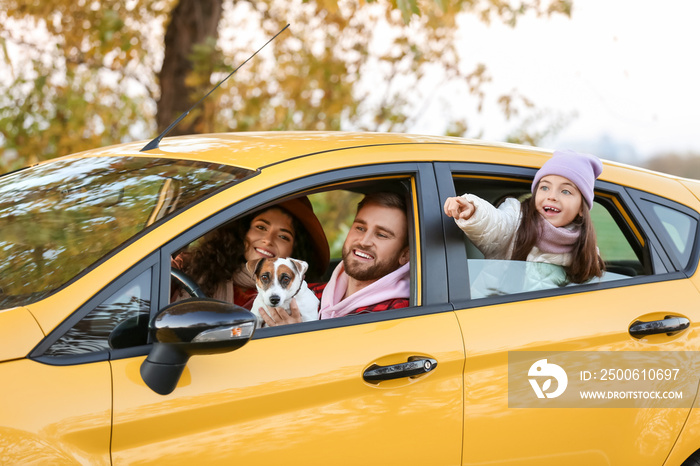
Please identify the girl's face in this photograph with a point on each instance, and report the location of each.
(271, 234)
(558, 200)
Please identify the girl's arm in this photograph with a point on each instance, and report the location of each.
(458, 208)
(491, 230)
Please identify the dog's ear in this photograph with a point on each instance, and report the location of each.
(252, 265)
(301, 266)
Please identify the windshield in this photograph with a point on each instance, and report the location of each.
(57, 219)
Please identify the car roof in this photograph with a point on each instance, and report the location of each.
(256, 150)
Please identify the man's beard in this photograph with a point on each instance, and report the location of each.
(367, 272)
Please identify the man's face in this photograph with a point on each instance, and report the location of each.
(376, 243)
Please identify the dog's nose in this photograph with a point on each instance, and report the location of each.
(274, 300)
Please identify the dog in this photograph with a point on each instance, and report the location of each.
(278, 281)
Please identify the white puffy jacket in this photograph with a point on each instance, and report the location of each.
(493, 231)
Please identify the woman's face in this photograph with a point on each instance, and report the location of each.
(271, 234)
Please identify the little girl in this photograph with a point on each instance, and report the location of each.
(554, 225)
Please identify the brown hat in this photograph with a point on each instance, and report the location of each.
(302, 209)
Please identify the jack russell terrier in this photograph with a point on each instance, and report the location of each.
(278, 281)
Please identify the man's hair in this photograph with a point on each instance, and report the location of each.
(386, 199)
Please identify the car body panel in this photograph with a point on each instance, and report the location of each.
(687, 442)
(60, 414)
(579, 322)
(302, 396)
(19, 333)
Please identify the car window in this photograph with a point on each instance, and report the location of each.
(620, 244)
(130, 303)
(59, 218)
(334, 207)
(679, 228)
(489, 278)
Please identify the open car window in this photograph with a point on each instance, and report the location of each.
(622, 246)
(334, 206)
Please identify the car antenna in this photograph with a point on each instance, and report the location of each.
(155, 142)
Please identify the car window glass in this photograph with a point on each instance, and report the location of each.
(58, 218)
(502, 277)
(92, 332)
(680, 229)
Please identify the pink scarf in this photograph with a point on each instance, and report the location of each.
(557, 240)
(391, 286)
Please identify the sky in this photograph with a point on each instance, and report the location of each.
(625, 74)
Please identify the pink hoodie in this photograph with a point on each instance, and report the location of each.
(391, 286)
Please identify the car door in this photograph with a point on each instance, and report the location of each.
(585, 330)
(301, 393)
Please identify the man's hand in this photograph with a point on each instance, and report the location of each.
(459, 208)
(275, 316)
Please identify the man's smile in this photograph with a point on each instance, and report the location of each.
(362, 254)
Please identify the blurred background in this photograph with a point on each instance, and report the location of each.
(617, 79)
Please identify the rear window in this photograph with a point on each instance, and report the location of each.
(57, 219)
(678, 228)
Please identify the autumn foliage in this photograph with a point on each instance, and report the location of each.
(80, 74)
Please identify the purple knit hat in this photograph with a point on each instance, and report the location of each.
(581, 169)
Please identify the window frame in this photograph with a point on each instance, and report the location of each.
(37, 354)
(427, 242)
(659, 232)
(458, 270)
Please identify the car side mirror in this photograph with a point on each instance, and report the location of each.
(191, 327)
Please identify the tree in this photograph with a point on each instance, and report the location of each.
(89, 73)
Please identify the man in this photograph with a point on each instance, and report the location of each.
(374, 274)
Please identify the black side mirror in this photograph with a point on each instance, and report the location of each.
(190, 327)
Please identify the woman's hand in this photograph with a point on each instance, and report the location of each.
(459, 208)
(275, 316)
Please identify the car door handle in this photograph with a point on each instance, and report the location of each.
(670, 324)
(418, 366)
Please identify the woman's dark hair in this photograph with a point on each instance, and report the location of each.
(586, 262)
(221, 252)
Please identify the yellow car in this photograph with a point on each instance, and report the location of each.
(598, 373)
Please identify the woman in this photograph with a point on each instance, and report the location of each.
(287, 229)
